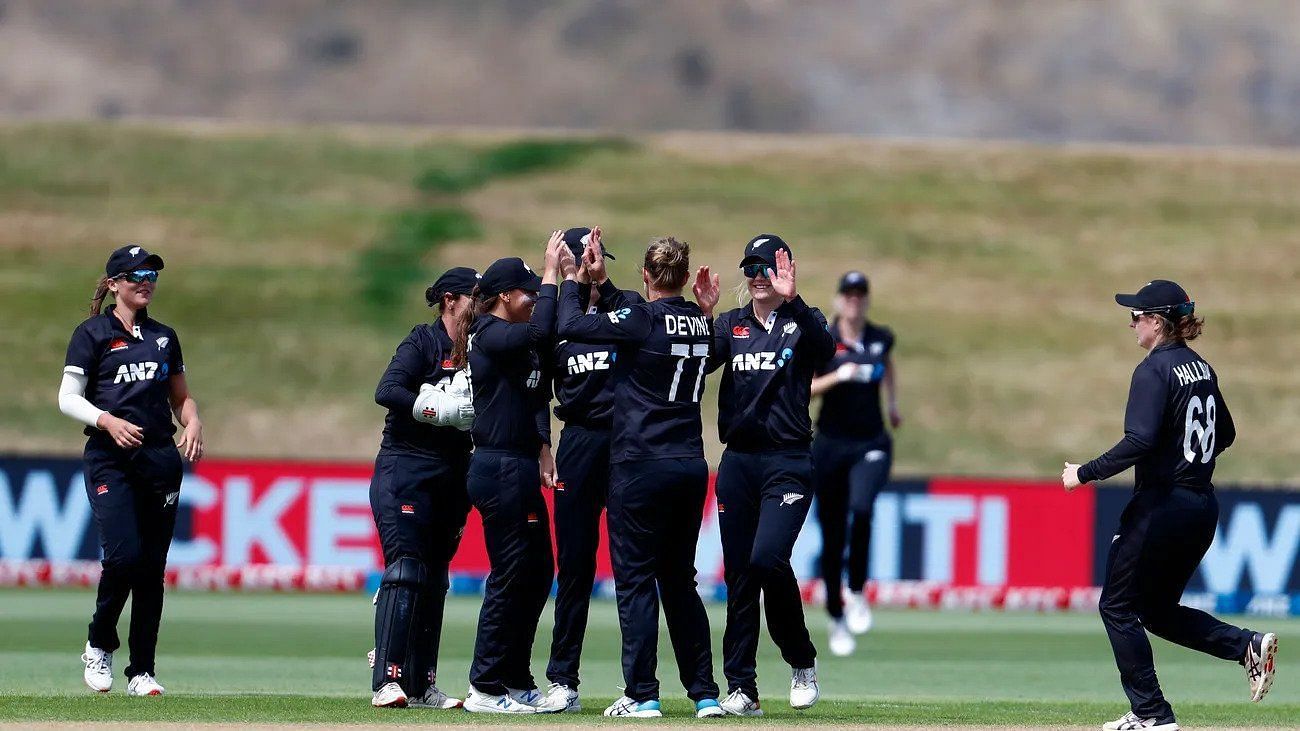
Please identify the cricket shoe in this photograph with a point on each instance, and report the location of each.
(389, 695)
(627, 708)
(562, 696)
(709, 708)
(840, 638)
(436, 699)
(740, 704)
(857, 613)
(99, 669)
(1131, 722)
(1261, 656)
(803, 688)
(534, 697)
(476, 702)
(143, 684)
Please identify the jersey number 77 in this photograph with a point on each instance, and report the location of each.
(690, 368)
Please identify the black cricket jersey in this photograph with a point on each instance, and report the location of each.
(127, 371)
(658, 375)
(583, 373)
(851, 410)
(767, 376)
(1175, 426)
(511, 392)
(423, 357)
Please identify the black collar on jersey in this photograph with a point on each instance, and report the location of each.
(862, 333)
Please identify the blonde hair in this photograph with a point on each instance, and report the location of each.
(668, 263)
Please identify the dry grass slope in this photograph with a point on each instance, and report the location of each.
(994, 264)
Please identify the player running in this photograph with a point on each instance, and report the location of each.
(769, 349)
(1175, 427)
(852, 454)
(505, 340)
(659, 479)
(584, 389)
(419, 499)
(124, 379)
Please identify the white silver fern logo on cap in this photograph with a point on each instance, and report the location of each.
(135, 250)
(754, 246)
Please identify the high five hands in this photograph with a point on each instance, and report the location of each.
(707, 290)
(783, 278)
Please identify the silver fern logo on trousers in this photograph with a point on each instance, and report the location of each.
(790, 498)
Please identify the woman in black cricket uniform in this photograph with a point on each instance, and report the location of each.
(506, 346)
(124, 379)
(658, 476)
(1175, 426)
(418, 498)
(852, 453)
(585, 395)
(769, 349)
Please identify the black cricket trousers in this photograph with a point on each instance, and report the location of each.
(1163, 534)
(420, 504)
(133, 495)
(763, 499)
(656, 507)
(849, 475)
(582, 462)
(506, 489)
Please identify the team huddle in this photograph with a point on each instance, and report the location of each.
(469, 425)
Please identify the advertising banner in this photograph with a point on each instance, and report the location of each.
(936, 542)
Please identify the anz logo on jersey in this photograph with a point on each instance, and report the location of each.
(618, 316)
(587, 362)
(132, 372)
(761, 360)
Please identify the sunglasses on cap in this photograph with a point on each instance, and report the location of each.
(139, 275)
(754, 271)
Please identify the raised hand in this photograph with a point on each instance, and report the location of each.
(553, 246)
(707, 290)
(568, 265)
(783, 279)
(594, 257)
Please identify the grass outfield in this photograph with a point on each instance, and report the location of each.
(297, 257)
(301, 659)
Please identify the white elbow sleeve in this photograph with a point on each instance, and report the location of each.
(72, 400)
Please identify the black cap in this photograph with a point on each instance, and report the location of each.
(457, 280)
(762, 249)
(129, 258)
(507, 274)
(1159, 295)
(576, 239)
(854, 282)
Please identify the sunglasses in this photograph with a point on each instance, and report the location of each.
(754, 271)
(139, 275)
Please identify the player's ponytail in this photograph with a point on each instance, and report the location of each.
(460, 339)
(668, 263)
(1187, 327)
(97, 300)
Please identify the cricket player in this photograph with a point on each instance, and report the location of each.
(583, 384)
(852, 454)
(506, 340)
(124, 379)
(419, 499)
(769, 351)
(1175, 427)
(658, 476)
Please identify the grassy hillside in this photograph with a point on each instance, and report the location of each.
(994, 264)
